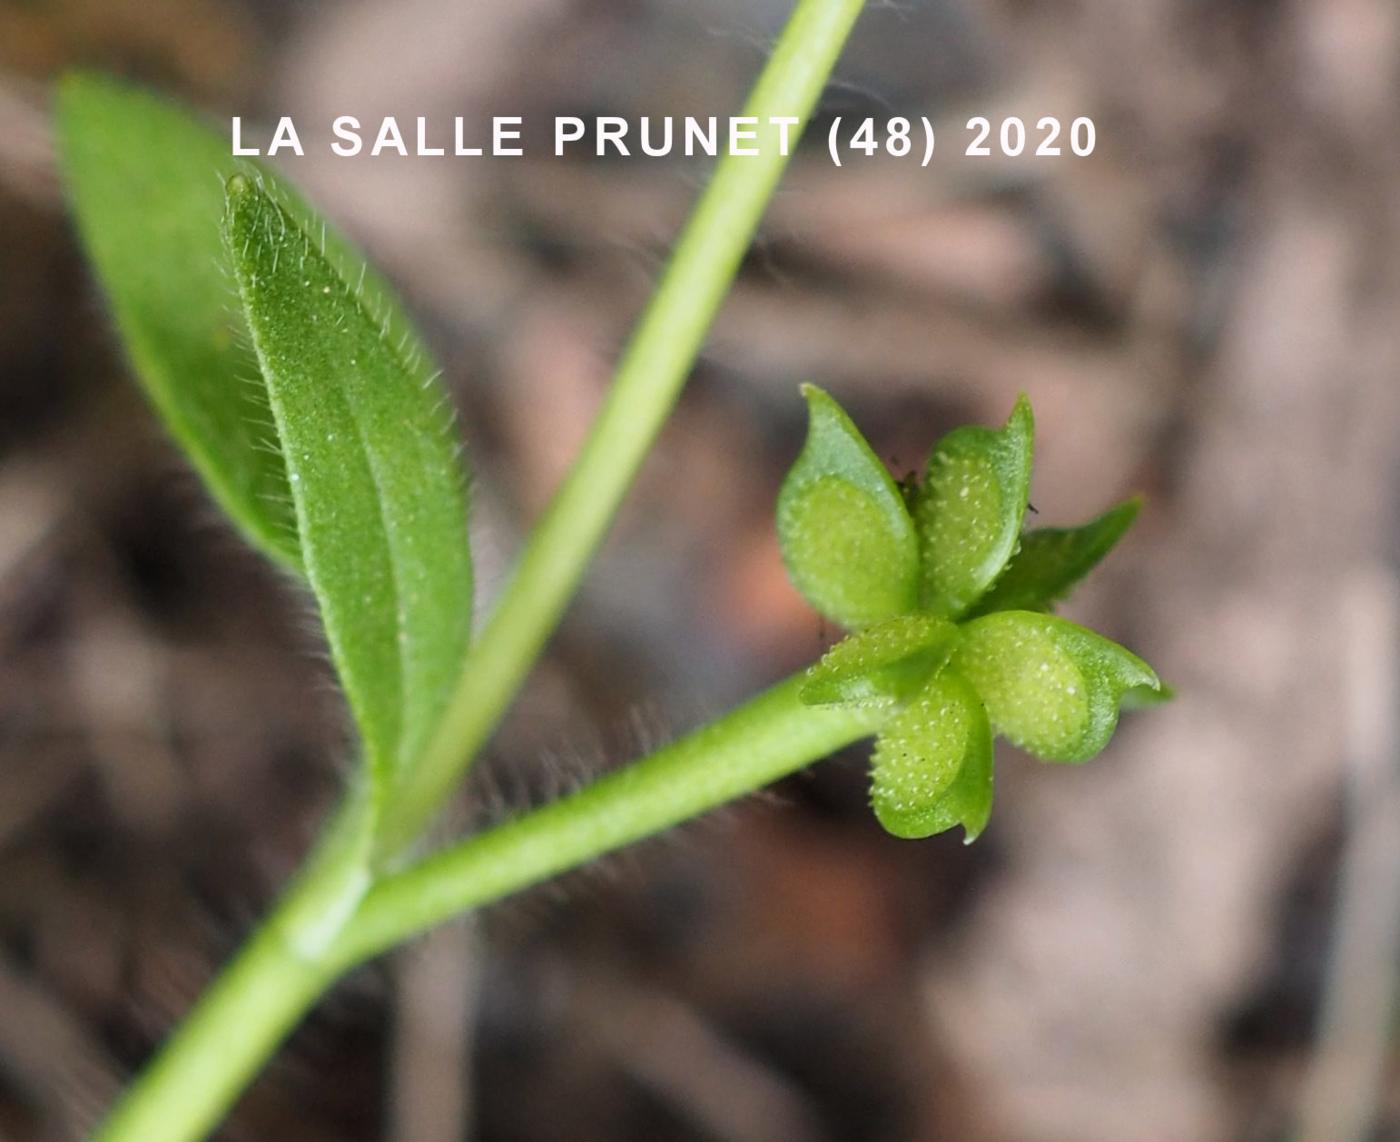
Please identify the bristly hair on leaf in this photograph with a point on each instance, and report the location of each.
(372, 467)
(145, 180)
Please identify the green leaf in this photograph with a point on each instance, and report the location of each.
(969, 509)
(880, 665)
(146, 183)
(1049, 685)
(373, 472)
(845, 533)
(932, 767)
(1051, 560)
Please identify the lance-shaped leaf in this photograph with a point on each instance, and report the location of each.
(845, 533)
(373, 471)
(146, 188)
(1051, 560)
(932, 767)
(146, 181)
(969, 509)
(882, 664)
(1049, 685)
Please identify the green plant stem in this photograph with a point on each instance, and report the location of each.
(329, 923)
(769, 737)
(221, 1045)
(323, 926)
(649, 378)
(257, 999)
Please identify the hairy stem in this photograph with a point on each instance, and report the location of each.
(221, 1045)
(332, 918)
(257, 999)
(769, 737)
(329, 923)
(649, 378)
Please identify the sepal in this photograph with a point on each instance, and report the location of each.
(969, 509)
(932, 767)
(1049, 685)
(881, 665)
(846, 536)
(1050, 562)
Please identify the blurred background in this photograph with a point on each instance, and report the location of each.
(1192, 938)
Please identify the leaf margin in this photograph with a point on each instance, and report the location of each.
(395, 725)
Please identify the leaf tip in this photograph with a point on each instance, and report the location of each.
(1125, 514)
(68, 86)
(238, 185)
(81, 100)
(74, 83)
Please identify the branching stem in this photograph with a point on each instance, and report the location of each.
(324, 927)
(649, 378)
(336, 914)
(771, 736)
